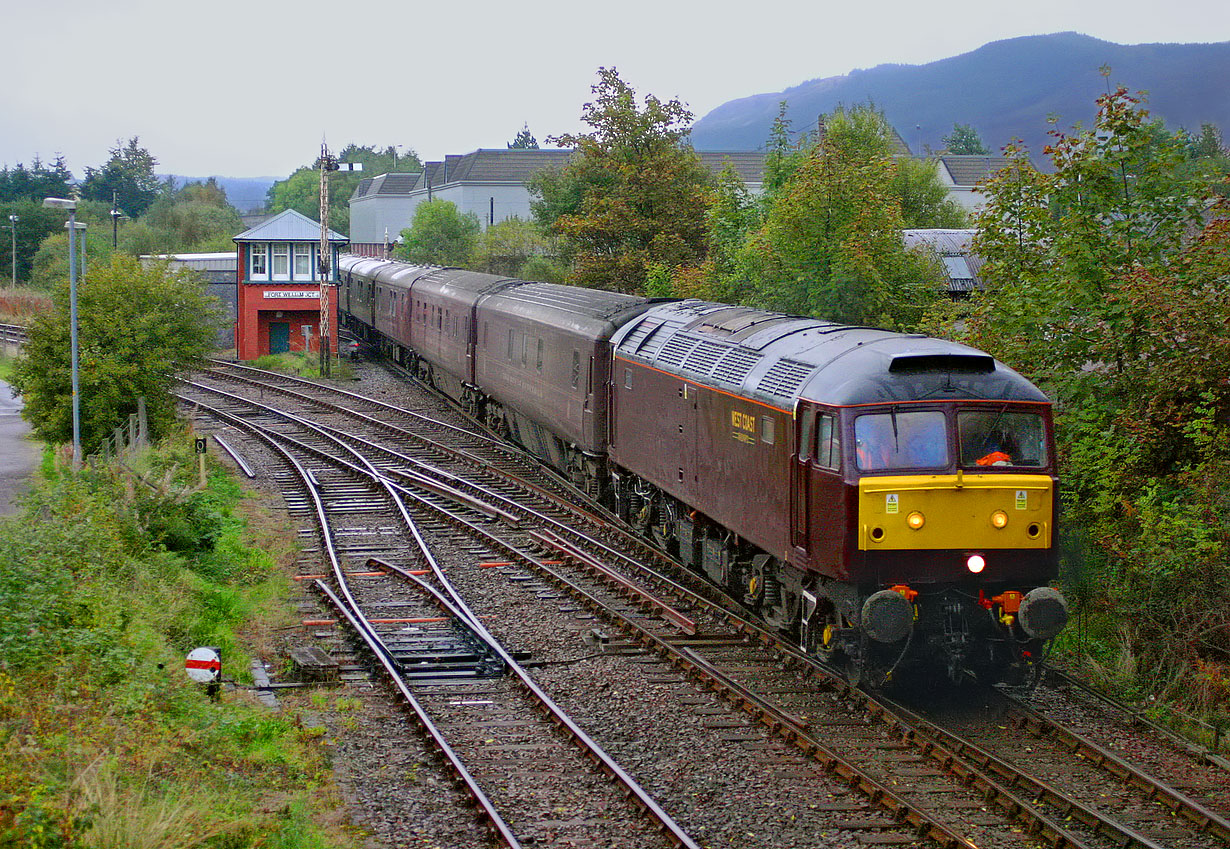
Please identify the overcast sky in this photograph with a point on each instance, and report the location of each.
(249, 87)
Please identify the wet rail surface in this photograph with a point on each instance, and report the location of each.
(910, 781)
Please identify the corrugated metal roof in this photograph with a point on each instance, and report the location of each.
(288, 226)
(953, 246)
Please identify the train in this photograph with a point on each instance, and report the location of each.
(888, 500)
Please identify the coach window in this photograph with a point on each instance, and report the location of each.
(303, 262)
(281, 262)
(485, 328)
(539, 355)
(260, 261)
(510, 345)
(576, 368)
(766, 430)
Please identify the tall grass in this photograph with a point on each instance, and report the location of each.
(19, 305)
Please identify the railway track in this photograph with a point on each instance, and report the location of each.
(529, 736)
(914, 779)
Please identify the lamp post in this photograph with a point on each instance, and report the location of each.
(116, 215)
(80, 227)
(71, 206)
(13, 219)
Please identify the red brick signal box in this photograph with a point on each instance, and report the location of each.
(277, 308)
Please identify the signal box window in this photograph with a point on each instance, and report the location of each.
(909, 440)
(281, 262)
(997, 438)
(260, 260)
(303, 262)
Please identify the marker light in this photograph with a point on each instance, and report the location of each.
(975, 563)
(915, 520)
(999, 519)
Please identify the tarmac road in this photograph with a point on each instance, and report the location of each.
(19, 455)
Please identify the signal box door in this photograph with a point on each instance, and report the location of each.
(279, 337)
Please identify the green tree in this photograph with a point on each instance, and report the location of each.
(1080, 261)
(508, 245)
(964, 140)
(924, 199)
(301, 190)
(830, 244)
(193, 218)
(439, 234)
(524, 141)
(36, 182)
(34, 224)
(638, 188)
(128, 176)
(137, 327)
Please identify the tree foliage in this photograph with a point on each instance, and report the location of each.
(505, 247)
(964, 140)
(524, 141)
(36, 182)
(439, 234)
(137, 327)
(127, 177)
(301, 190)
(1108, 282)
(825, 238)
(633, 194)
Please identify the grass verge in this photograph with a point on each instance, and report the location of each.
(107, 580)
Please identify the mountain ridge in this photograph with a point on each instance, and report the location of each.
(1006, 89)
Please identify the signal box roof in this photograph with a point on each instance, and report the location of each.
(289, 226)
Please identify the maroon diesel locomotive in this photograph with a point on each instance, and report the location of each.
(889, 499)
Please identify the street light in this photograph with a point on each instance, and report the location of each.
(71, 206)
(13, 219)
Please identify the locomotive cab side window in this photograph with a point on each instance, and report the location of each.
(806, 427)
(995, 437)
(828, 443)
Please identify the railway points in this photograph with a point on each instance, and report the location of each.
(768, 691)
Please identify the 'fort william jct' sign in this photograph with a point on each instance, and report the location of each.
(292, 293)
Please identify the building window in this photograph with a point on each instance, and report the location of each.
(260, 260)
(281, 262)
(303, 262)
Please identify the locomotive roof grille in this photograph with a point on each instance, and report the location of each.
(676, 350)
(703, 357)
(785, 378)
(961, 363)
(735, 365)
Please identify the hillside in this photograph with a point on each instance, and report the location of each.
(246, 194)
(1005, 89)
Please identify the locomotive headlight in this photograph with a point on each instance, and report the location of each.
(975, 563)
(999, 519)
(915, 520)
